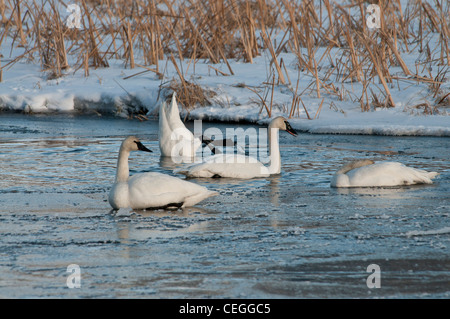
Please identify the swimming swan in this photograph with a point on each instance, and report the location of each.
(367, 173)
(241, 166)
(151, 190)
(175, 140)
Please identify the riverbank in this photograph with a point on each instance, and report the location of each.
(348, 82)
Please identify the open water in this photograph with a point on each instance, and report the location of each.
(287, 236)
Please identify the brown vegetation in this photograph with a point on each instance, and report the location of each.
(219, 30)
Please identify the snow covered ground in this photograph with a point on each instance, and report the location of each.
(123, 91)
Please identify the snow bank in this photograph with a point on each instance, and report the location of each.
(382, 122)
(123, 92)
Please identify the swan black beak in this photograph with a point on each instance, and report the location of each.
(205, 141)
(289, 129)
(141, 147)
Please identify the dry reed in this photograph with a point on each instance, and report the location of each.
(218, 30)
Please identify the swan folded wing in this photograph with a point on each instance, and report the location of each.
(194, 199)
(185, 170)
(231, 159)
(220, 167)
(142, 201)
(158, 190)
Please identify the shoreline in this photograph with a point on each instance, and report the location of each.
(434, 128)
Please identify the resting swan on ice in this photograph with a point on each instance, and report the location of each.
(175, 139)
(151, 190)
(367, 173)
(241, 166)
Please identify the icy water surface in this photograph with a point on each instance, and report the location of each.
(287, 236)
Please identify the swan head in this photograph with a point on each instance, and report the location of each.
(132, 143)
(281, 123)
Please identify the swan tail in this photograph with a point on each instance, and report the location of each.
(196, 170)
(421, 177)
(433, 175)
(191, 201)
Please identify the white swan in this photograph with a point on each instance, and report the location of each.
(175, 140)
(151, 190)
(241, 166)
(367, 173)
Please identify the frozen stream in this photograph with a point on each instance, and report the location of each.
(288, 236)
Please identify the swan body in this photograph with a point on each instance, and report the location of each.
(174, 138)
(241, 166)
(224, 165)
(151, 190)
(366, 173)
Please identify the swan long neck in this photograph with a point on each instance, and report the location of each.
(274, 151)
(123, 172)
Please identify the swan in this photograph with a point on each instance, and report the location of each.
(367, 173)
(175, 140)
(241, 166)
(151, 190)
